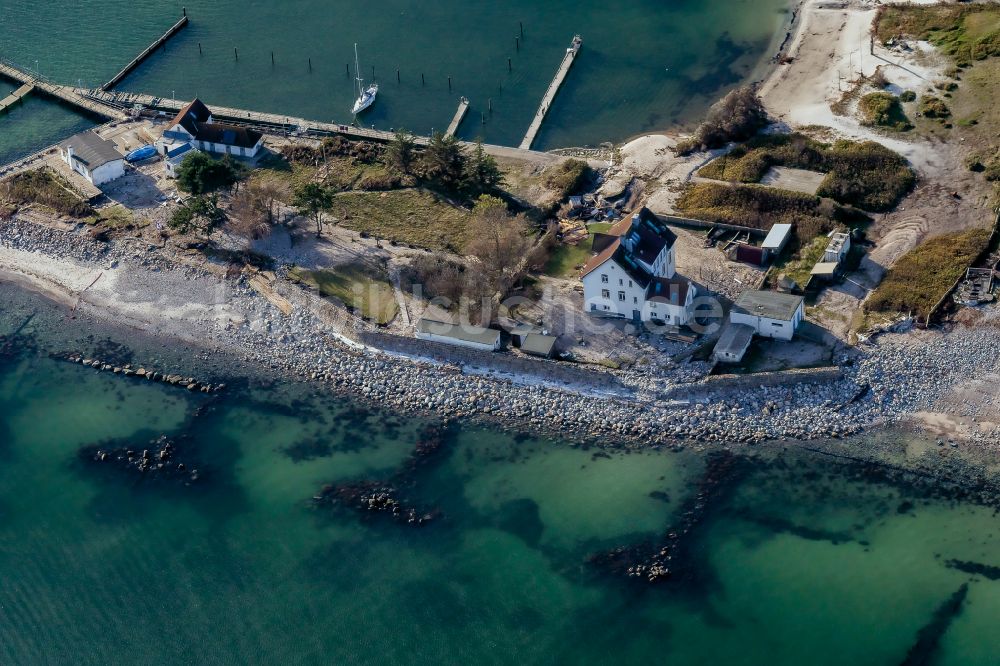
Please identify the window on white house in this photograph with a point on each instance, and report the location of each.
(605, 293)
(635, 299)
(621, 295)
(630, 283)
(775, 324)
(620, 282)
(604, 278)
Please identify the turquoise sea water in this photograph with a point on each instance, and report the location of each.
(803, 559)
(645, 64)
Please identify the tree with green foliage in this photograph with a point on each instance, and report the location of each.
(401, 153)
(482, 173)
(313, 201)
(201, 213)
(199, 173)
(443, 162)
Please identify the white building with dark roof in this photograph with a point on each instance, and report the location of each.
(769, 313)
(194, 124)
(92, 157)
(633, 274)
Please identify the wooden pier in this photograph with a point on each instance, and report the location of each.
(463, 108)
(15, 97)
(550, 94)
(73, 96)
(138, 60)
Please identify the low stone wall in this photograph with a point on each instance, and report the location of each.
(554, 372)
(751, 381)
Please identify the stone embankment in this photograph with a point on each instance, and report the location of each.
(884, 382)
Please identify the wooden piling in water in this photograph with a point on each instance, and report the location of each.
(449, 84)
(236, 52)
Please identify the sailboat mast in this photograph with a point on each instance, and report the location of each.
(357, 68)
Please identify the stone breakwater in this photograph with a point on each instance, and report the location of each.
(883, 382)
(189, 383)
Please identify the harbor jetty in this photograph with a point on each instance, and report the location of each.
(550, 94)
(72, 96)
(139, 59)
(16, 97)
(463, 108)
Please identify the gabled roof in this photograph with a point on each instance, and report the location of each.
(91, 149)
(668, 290)
(228, 135)
(600, 258)
(647, 236)
(644, 233)
(195, 119)
(192, 115)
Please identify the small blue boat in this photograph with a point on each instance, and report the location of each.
(142, 153)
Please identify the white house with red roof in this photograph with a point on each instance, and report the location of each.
(633, 274)
(194, 124)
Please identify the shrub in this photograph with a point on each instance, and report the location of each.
(966, 33)
(907, 96)
(924, 275)
(932, 107)
(736, 117)
(568, 177)
(43, 187)
(758, 207)
(883, 110)
(867, 175)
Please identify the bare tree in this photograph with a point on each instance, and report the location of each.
(248, 219)
(500, 243)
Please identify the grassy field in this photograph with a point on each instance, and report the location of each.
(410, 217)
(355, 287)
(922, 276)
(967, 33)
(565, 260)
(866, 175)
(45, 188)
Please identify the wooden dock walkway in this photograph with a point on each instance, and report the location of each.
(138, 60)
(73, 96)
(16, 97)
(463, 108)
(550, 94)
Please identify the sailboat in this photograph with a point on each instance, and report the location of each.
(366, 96)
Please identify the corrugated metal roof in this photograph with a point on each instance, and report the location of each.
(777, 236)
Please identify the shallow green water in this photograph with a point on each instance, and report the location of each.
(645, 64)
(801, 561)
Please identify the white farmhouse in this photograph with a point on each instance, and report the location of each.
(633, 274)
(194, 124)
(769, 313)
(92, 157)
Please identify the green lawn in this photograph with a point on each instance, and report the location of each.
(599, 227)
(354, 286)
(565, 260)
(411, 217)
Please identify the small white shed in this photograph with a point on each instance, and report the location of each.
(769, 313)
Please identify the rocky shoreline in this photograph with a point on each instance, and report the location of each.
(880, 384)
